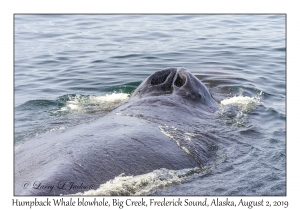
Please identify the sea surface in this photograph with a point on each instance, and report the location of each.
(73, 69)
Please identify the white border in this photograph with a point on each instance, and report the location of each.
(8, 8)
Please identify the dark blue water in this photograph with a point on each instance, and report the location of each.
(67, 61)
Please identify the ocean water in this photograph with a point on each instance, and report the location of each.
(73, 69)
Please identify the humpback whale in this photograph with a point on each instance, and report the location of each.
(146, 133)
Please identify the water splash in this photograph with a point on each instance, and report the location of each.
(90, 104)
(235, 109)
(246, 103)
(144, 184)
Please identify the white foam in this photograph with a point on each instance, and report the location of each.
(113, 98)
(142, 184)
(82, 104)
(57, 129)
(72, 106)
(244, 105)
(244, 102)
